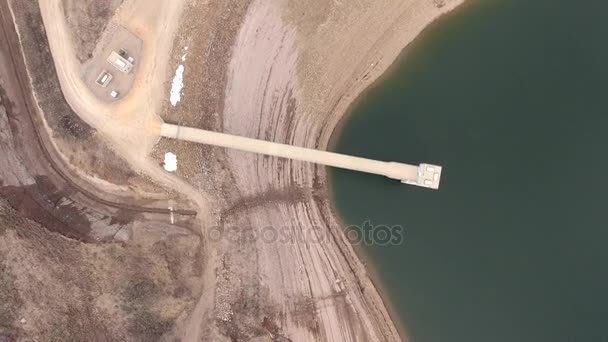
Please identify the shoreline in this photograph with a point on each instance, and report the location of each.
(336, 131)
(359, 91)
(293, 82)
(361, 250)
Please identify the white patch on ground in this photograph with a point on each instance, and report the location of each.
(170, 163)
(185, 53)
(177, 85)
(178, 82)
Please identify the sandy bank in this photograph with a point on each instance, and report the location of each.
(296, 67)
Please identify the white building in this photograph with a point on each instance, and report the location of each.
(120, 63)
(104, 79)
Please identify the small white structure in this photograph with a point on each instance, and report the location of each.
(429, 176)
(103, 79)
(170, 163)
(114, 94)
(120, 62)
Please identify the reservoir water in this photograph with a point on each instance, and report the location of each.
(511, 97)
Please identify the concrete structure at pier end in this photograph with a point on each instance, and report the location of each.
(429, 176)
(424, 175)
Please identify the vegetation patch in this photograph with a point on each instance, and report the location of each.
(87, 20)
(148, 325)
(8, 218)
(139, 296)
(10, 302)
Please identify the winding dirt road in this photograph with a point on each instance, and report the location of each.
(131, 125)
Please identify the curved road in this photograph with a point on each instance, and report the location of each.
(15, 58)
(131, 125)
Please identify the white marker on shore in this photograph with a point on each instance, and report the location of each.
(170, 163)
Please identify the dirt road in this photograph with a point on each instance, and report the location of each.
(24, 137)
(133, 131)
(131, 125)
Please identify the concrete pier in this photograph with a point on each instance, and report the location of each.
(425, 175)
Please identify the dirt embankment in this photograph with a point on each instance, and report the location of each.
(26, 180)
(203, 92)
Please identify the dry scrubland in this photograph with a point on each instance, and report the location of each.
(70, 291)
(55, 288)
(88, 19)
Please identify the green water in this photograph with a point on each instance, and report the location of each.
(511, 97)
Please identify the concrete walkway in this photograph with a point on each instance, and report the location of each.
(424, 175)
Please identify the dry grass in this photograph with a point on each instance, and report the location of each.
(71, 291)
(10, 302)
(138, 297)
(88, 19)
